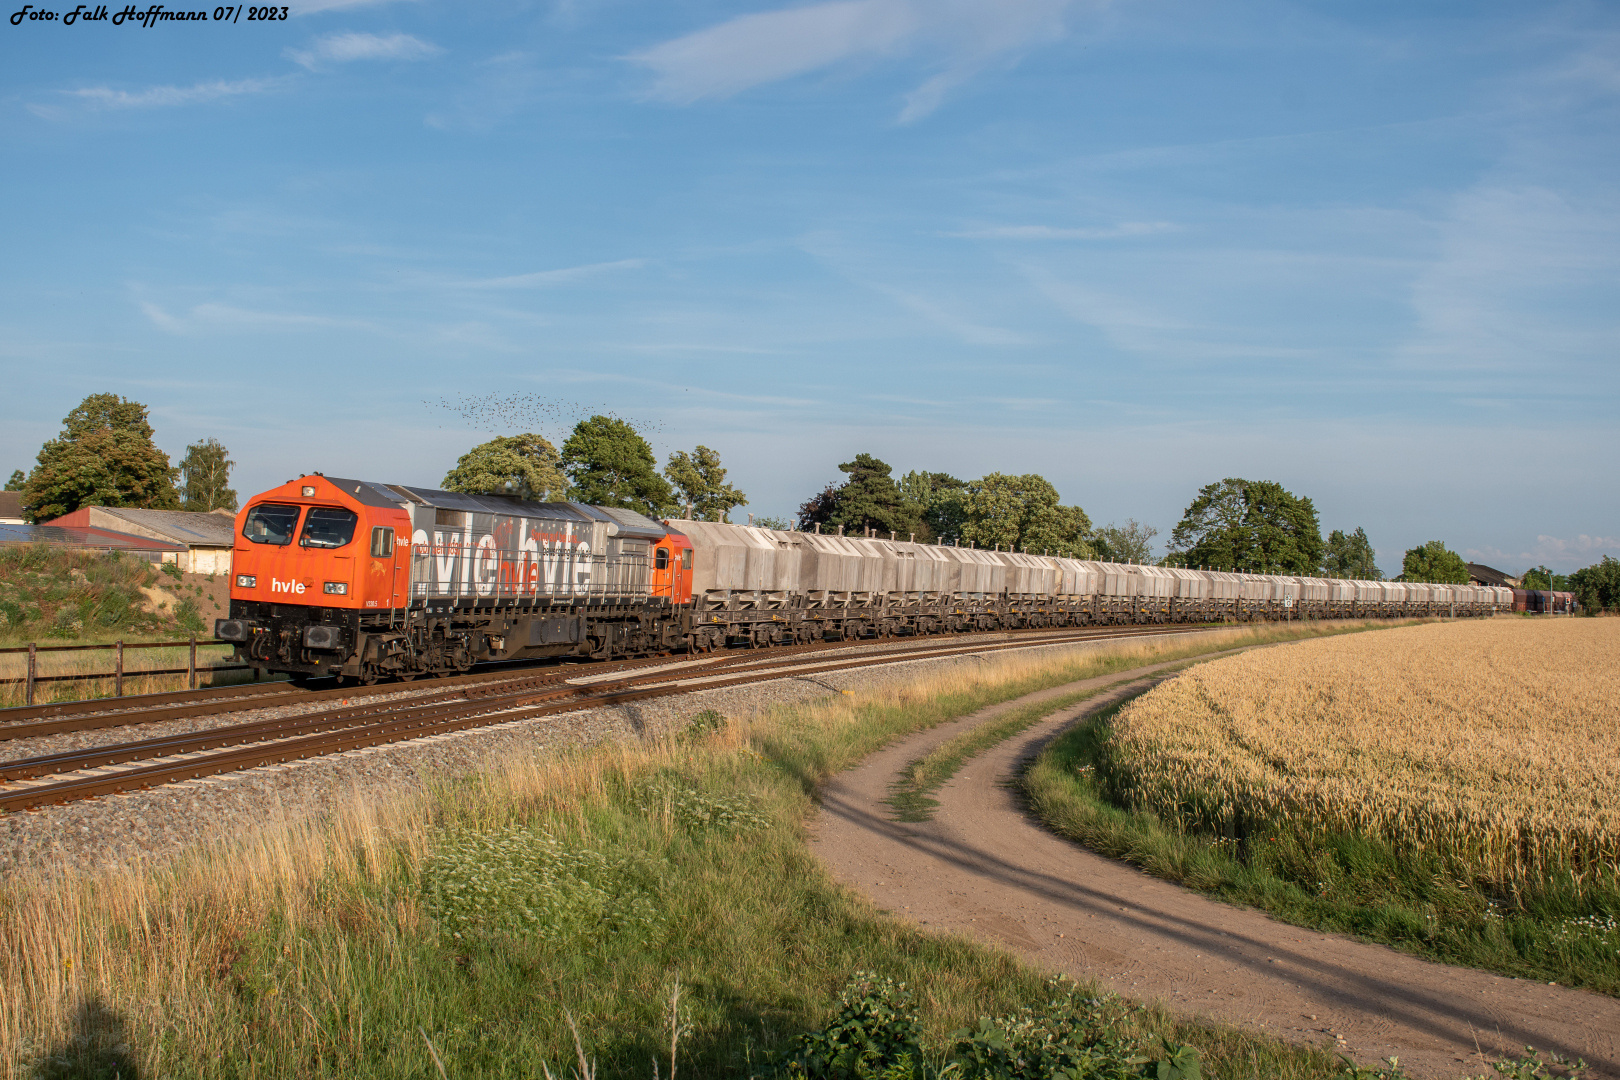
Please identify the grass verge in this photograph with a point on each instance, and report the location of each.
(1565, 932)
(474, 927)
(912, 797)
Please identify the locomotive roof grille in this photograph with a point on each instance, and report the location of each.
(624, 523)
(365, 492)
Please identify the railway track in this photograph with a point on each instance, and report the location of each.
(26, 722)
(447, 706)
(32, 721)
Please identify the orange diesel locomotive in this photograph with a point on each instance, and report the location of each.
(363, 580)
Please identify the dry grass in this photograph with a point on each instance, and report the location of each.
(162, 941)
(1492, 744)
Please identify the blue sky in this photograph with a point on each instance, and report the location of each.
(1370, 251)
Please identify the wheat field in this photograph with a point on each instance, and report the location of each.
(1495, 744)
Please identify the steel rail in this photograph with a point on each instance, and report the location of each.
(447, 717)
(331, 719)
(91, 719)
(135, 703)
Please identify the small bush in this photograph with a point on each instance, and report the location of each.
(701, 811)
(875, 1035)
(187, 617)
(524, 882)
(703, 725)
(67, 623)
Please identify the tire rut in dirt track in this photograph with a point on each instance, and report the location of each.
(981, 867)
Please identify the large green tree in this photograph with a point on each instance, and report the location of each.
(1130, 542)
(610, 464)
(1434, 563)
(938, 501)
(1023, 513)
(1249, 526)
(870, 499)
(700, 484)
(524, 466)
(18, 481)
(1539, 577)
(205, 477)
(817, 510)
(1350, 556)
(103, 457)
(1597, 587)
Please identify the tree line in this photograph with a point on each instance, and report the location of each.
(603, 462)
(105, 456)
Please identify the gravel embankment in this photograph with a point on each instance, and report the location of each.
(164, 821)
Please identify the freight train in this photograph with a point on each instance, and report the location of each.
(1543, 602)
(365, 581)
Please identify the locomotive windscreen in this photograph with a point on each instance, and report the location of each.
(328, 527)
(271, 523)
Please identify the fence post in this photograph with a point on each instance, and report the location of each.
(192, 666)
(118, 673)
(30, 695)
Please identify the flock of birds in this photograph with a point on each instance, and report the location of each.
(549, 417)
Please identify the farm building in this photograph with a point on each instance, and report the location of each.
(1480, 574)
(79, 539)
(204, 540)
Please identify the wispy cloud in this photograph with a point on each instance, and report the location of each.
(344, 48)
(756, 49)
(973, 333)
(1166, 328)
(1553, 551)
(1522, 277)
(1049, 232)
(496, 89)
(154, 97)
(542, 279)
(961, 36)
(229, 317)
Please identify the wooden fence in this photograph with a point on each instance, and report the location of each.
(119, 672)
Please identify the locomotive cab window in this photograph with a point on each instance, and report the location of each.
(382, 542)
(686, 558)
(662, 559)
(271, 523)
(328, 527)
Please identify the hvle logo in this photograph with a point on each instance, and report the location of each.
(287, 586)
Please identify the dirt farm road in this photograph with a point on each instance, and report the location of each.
(981, 867)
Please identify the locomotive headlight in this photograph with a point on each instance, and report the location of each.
(336, 588)
(246, 581)
(307, 491)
